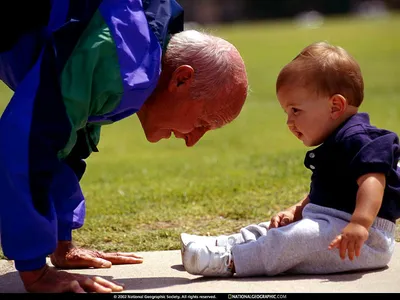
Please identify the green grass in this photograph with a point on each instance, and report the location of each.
(140, 196)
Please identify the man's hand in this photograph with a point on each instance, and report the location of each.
(351, 239)
(67, 256)
(50, 280)
(282, 218)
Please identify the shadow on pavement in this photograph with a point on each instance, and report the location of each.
(337, 277)
(11, 283)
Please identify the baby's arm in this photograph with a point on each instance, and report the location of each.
(369, 198)
(371, 187)
(289, 215)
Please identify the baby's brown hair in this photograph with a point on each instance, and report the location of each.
(326, 68)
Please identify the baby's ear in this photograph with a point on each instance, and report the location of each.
(338, 105)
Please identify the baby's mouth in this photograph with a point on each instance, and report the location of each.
(297, 133)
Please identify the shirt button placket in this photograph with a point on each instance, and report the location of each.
(311, 155)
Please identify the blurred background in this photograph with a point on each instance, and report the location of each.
(226, 11)
(140, 196)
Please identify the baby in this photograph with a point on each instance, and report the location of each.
(354, 197)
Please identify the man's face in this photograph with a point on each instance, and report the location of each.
(172, 110)
(184, 126)
(184, 119)
(308, 115)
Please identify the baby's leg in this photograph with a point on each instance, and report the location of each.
(246, 234)
(252, 232)
(302, 247)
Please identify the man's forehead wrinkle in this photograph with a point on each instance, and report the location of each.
(227, 103)
(219, 118)
(214, 120)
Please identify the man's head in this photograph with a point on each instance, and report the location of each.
(203, 86)
(319, 89)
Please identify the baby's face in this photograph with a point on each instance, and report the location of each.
(308, 114)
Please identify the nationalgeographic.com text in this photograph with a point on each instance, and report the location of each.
(257, 296)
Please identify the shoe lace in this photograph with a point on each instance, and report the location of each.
(227, 257)
(223, 260)
(231, 241)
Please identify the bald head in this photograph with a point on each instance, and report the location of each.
(202, 86)
(219, 76)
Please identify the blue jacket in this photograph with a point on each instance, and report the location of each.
(50, 125)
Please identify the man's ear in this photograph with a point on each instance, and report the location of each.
(181, 77)
(338, 105)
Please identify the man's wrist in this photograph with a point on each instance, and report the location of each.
(30, 277)
(30, 264)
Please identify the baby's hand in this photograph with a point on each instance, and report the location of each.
(351, 239)
(282, 218)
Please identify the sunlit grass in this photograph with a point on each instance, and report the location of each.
(140, 196)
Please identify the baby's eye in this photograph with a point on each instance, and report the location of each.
(295, 110)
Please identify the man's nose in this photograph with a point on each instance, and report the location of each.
(195, 136)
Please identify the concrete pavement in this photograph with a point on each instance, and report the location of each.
(162, 272)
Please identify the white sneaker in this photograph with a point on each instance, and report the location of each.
(222, 240)
(199, 259)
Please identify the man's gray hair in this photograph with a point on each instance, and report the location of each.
(211, 57)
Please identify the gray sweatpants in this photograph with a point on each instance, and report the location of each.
(302, 246)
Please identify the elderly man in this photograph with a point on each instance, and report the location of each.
(94, 63)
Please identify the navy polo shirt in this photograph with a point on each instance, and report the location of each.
(354, 149)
